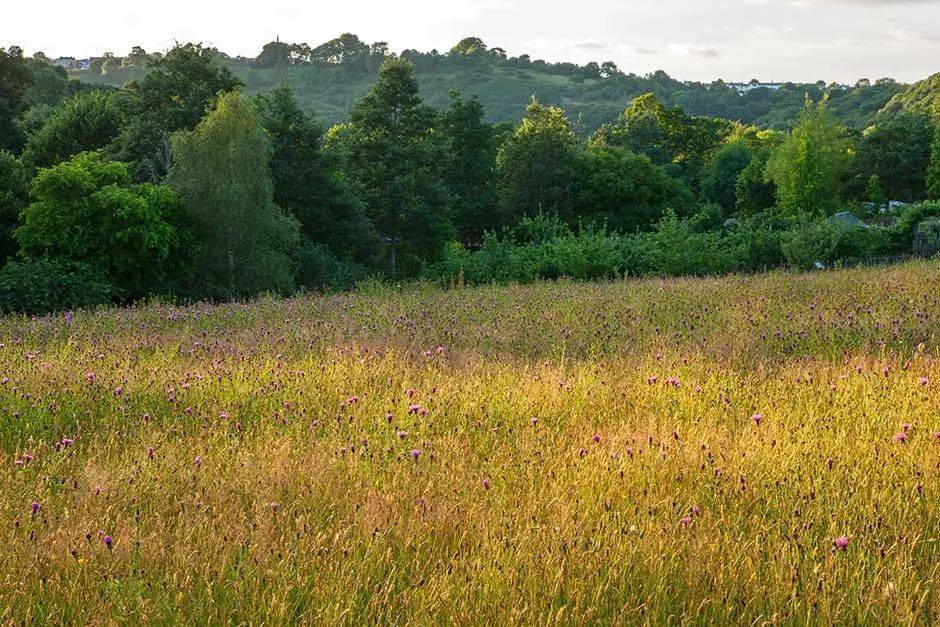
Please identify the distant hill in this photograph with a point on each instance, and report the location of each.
(923, 96)
(505, 89)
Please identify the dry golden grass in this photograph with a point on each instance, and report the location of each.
(572, 454)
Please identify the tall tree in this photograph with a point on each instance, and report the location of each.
(720, 176)
(87, 121)
(15, 79)
(808, 167)
(173, 96)
(396, 154)
(626, 191)
(536, 165)
(471, 168)
(14, 185)
(933, 171)
(87, 211)
(309, 184)
(247, 244)
(896, 150)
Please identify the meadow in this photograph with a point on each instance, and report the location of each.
(753, 449)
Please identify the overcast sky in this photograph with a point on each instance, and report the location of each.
(798, 40)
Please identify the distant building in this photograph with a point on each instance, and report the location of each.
(743, 88)
(68, 63)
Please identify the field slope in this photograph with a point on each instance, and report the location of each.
(742, 449)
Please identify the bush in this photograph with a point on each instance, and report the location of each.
(829, 242)
(41, 286)
(318, 269)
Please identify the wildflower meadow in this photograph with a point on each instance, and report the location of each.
(753, 449)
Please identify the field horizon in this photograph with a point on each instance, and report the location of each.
(759, 448)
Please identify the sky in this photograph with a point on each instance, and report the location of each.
(736, 40)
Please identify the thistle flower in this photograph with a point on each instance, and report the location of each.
(685, 521)
(108, 542)
(901, 437)
(486, 484)
(198, 461)
(415, 453)
(841, 542)
(597, 438)
(757, 418)
(35, 507)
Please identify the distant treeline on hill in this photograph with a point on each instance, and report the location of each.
(182, 185)
(332, 77)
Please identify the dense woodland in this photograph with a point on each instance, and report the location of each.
(207, 177)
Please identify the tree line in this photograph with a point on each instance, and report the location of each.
(180, 186)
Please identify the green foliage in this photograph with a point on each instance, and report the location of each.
(309, 184)
(536, 166)
(901, 233)
(87, 121)
(896, 150)
(933, 170)
(87, 211)
(393, 150)
(471, 168)
(666, 135)
(319, 270)
(15, 79)
(828, 242)
(222, 170)
(720, 177)
(173, 96)
(876, 193)
(754, 194)
(625, 191)
(921, 97)
(14, 188)
(39, 286)
(808, 167)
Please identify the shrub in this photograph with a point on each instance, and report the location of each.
(40, 286)
(318, 269)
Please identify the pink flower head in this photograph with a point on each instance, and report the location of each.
(486, 484)
(924, 380)
(389, 417)
(597, 438)
(90, 376)
(685, 521)
(841, 542)
(34, 507)
(198, 461)
(535, 421)
(150, 452)
(108, 542)
(901, 437)
(830, 462)
(415, 453)
(757, 418)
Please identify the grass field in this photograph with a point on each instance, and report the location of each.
(749, 449)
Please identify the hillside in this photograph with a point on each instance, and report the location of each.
(505, 90)
(923, 96)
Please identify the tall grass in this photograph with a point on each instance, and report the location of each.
(656, 451)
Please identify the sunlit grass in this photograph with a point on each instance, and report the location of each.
(646, 451)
